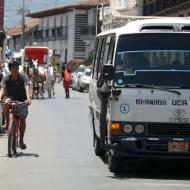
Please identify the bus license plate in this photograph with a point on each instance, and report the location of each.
(178, 146)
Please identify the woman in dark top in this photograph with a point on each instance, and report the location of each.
(15, 86)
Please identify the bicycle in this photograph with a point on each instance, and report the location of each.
(13, 128)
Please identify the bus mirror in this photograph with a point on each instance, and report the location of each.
(108, 72)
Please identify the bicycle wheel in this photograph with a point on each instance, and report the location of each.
(11, 141)
(15, 141)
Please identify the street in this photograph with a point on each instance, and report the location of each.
(60, 155)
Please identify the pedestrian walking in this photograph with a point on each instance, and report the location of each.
(67, 78)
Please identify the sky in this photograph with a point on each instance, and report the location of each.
(12, 18)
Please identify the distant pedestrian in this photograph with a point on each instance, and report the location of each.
(67, 78)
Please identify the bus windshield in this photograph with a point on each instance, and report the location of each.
(131, 61)
(152, 52)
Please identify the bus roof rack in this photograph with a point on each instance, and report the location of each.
(113, 21)
(185, 28)
(157, 27)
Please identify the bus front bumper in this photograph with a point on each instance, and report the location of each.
(150, 147)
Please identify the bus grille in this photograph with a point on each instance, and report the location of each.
(177, 130)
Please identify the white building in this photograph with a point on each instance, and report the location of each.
(120, 12)
(68, 30)
(126, 7)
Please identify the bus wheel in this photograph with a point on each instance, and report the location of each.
(97, 148)
(115, 163)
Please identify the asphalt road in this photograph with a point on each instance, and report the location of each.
(60, 155)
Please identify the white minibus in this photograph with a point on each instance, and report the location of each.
(139, 93)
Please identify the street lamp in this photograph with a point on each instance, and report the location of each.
(97, 14)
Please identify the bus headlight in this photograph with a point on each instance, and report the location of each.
(127, 128)
(139, 128)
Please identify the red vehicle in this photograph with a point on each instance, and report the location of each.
(36, 58)
(35, 53)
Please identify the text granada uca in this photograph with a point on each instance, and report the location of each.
(160, 102)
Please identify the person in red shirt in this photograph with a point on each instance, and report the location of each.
(67, 78)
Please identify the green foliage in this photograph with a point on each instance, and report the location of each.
(88, 61)
(2, 35)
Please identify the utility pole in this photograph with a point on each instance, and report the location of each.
(1, 14)
(97, 14)
(23, 24)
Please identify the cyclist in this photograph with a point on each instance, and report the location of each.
(15, 87)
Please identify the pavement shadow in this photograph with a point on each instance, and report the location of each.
(2, 134)
(104, 159)
(74, 98)
(154, 169)
(22, 154)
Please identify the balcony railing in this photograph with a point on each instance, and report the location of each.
(79, 55)
(44, 34)
(88, 31)
(160, 5)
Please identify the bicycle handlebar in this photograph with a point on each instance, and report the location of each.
(12, 102)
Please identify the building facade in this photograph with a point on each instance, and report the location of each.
(15, 34)
(120, 12)
(177, 8)
(69, 30)
(126, 7)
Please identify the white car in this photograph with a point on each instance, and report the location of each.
(75, 77)
(84, 80)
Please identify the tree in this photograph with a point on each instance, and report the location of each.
(88, 61)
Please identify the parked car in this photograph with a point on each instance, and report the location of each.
(84, 80)
(75, 77)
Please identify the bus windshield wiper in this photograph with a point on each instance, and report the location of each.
(153, 87)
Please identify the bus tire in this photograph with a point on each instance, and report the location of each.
(115, 163)
(97, 149)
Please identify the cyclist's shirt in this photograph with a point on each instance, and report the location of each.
(15, 88)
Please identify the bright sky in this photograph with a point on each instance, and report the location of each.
(11, 6)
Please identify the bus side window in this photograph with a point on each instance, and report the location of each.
(104, 54)
(97, 58)
(111, 50)
(97, 61)
(101, 61)
(106, 50)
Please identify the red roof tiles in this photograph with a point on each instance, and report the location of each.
(84, 4)
(17, 30)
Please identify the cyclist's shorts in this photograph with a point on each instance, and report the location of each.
(22, 110)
